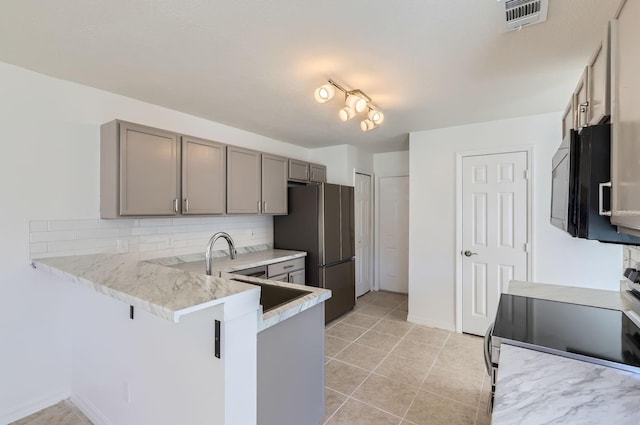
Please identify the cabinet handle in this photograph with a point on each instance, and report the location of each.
(289, 266)
(186, 204)
(306, 174)
(264, 209)
(601, 187)
(175, 205)
(584, 107)
(259, 206)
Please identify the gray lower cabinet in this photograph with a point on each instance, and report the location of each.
(203, 176)
(292, 271)
(318, 173)
(625, 119)
(291, 370)
(139, 171)
(274, 184)
(243, 181)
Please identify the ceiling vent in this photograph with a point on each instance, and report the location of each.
(518, 13)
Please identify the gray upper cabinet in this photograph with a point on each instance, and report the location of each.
(625, 119)
(298, 170)
(139, 171)
(274, 184)
(244, 187)
(568, 117)
(203, 176)
(318, 173)
(599, 83)
(582, 96)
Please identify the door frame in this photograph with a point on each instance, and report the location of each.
(372, 218)
(376, 282)
(530, 151)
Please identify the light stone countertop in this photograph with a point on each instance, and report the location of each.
(538, 388)
(169, 292)
(570, 294)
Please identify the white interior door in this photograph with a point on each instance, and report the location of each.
(364, 233)
(494, 233)
(393, 215)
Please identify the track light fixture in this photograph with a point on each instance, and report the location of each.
(356, 102)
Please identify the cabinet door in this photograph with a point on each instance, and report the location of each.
(599, 83)
(149, 161)
(297, 277)
(582, 105)
(280, 278)
(568, 117)
(274, 184)
(318, 173)
(298, 170)
(203, 176)
(243, 181)
(625, 118)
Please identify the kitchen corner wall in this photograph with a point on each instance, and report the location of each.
(342, 161)
(49, 173)
(557, 257)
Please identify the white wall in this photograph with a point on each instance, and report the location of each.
(558, 258)
(49, 169)
(342, 161)
(391, 164)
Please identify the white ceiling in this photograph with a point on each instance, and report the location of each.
(255, 64)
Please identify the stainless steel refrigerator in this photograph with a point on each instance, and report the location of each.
(321, 222)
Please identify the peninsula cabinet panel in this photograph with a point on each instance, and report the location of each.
(625, 119)
(243, 181)
(274, 184)
(139, 171)
(318, 173)
(203, 177)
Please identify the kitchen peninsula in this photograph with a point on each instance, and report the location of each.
(167, 346)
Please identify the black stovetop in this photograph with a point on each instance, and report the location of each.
(598, 335)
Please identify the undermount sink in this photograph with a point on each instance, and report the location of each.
(273, 296)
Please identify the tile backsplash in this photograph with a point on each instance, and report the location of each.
(631, 256)
(146, 237)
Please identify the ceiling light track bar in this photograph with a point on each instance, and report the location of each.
(356, 102)
(348, 92)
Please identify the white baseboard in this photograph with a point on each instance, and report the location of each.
(431, 323)
(33, 406)
(90, 410)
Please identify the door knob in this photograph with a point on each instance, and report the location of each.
(469, 253)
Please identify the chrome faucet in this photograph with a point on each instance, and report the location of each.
(208, 258)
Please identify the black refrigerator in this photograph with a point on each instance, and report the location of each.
(321, 222)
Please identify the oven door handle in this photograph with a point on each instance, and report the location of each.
(487, 349)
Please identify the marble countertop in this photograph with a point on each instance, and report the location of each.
(539, 388)
(570, 294)
(171, 292)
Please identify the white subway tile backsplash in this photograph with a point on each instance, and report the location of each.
(73, 224)
(39, 226)
(68, 235)
(147, 238)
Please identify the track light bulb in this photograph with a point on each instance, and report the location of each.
(346, 113)
(366, 125)
(375, 116)
(356, 102)
(324, 93)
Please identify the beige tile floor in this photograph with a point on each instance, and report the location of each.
(381, 370)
